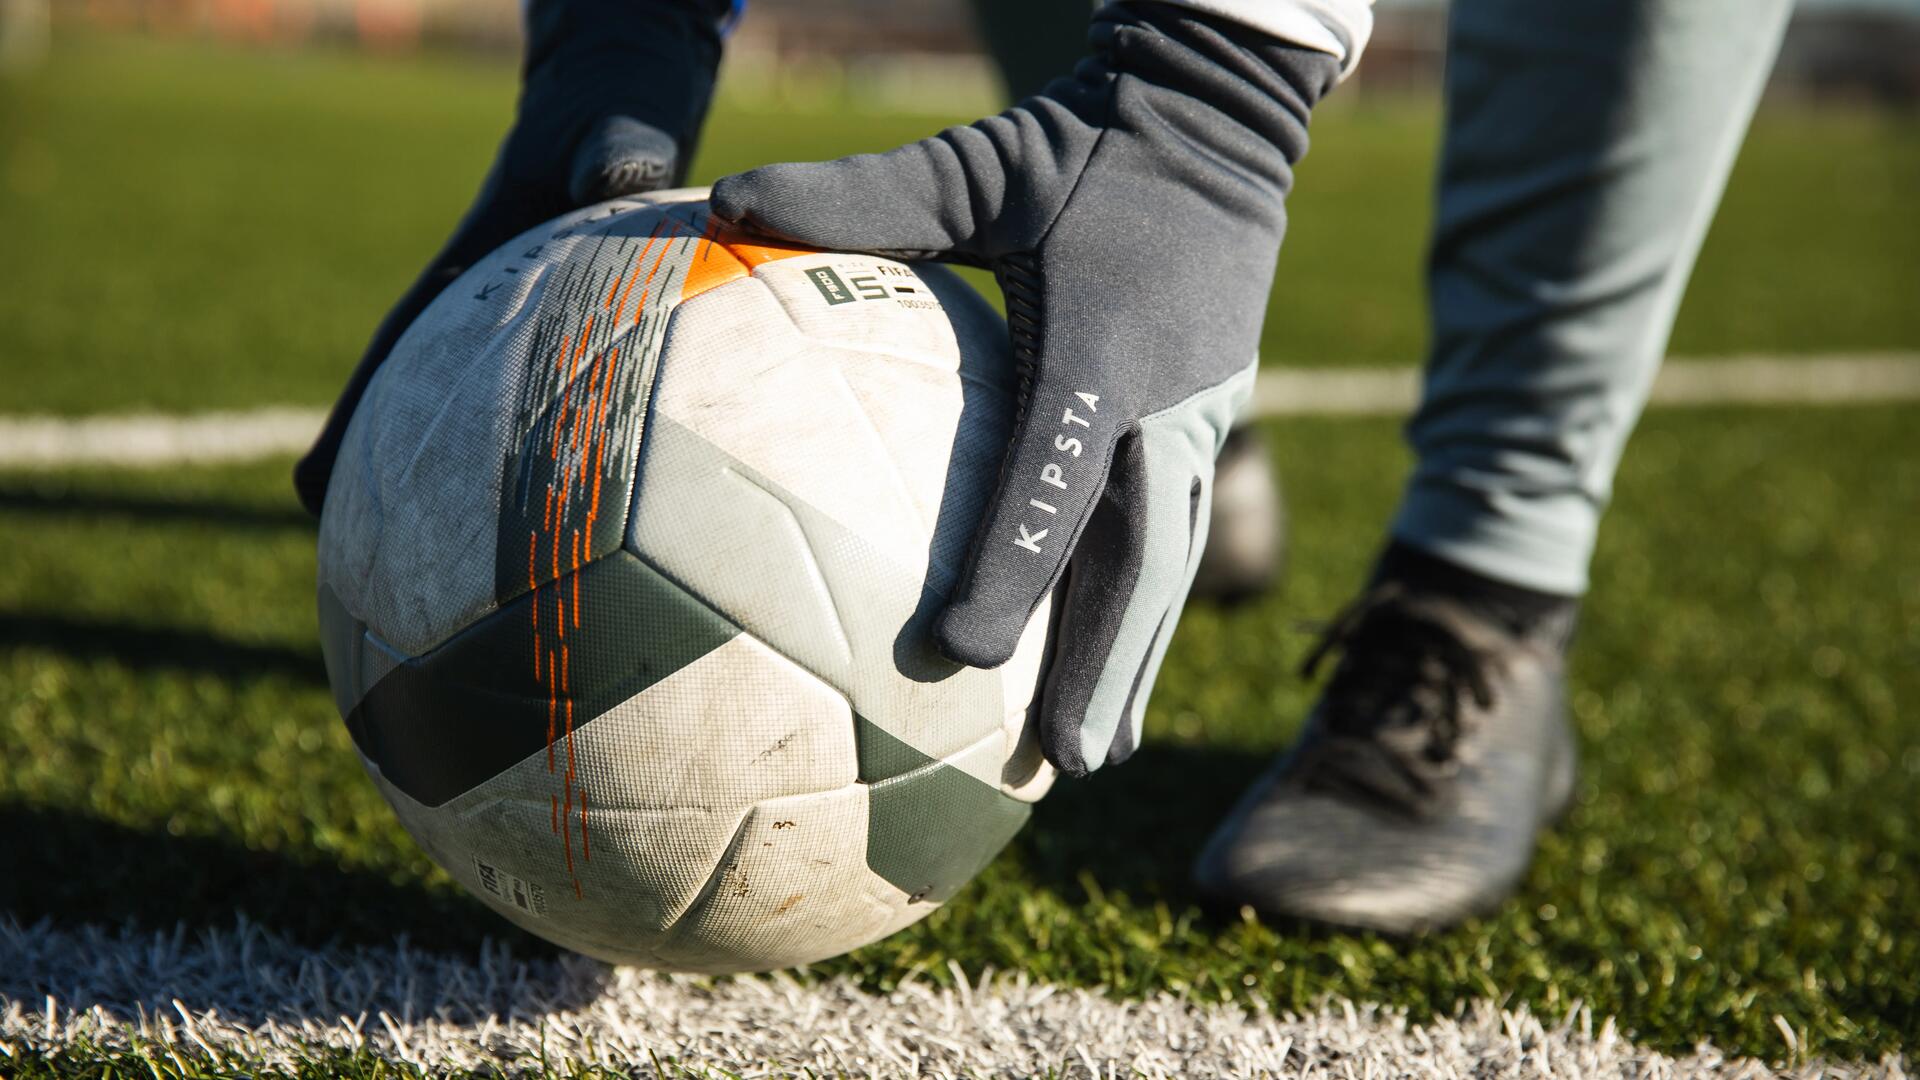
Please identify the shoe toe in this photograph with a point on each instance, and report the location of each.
(1293, 854)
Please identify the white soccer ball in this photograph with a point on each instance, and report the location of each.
(626, 571)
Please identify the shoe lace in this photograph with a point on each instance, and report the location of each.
(1408, 668)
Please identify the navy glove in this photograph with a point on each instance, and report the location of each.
(613, 93)
(1132, 214)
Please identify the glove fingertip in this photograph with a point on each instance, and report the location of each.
(622, 156)
(1061, 742)
(730, 196)
(767, 198)
(968, 635)
(1075, 769)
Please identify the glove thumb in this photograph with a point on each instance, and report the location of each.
(911, 202)
(622, 156)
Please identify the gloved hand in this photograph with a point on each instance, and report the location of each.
(1132, 214)
(613, 93)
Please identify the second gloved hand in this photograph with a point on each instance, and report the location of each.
(612, 97)
(1132, 214)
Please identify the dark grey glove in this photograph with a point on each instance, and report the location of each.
(1132, 214)
(613, 94)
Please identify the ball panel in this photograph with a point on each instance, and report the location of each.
(728, 255)
(889, 456)
(743, 551)
(522, 678)
(698, 522)
(932, 829)
(783, 404)
(870, 304)
(881, 443)
(815, 875)
(792, 888)
(407, 538)
(980, 334)
(661, 782)
(494, 449)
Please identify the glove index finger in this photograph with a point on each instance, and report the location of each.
(1054, 474)
(915, 201)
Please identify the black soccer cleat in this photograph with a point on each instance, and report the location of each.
(1412, 800)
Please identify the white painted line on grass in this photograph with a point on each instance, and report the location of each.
(154, 440)
(264, 1000)
(1855, 379)
(1763, 380)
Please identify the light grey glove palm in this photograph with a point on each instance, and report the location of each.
(1132, 214)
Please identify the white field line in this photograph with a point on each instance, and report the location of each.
(1862, 378)
(255, 997)
(150, 439)
(153, 440)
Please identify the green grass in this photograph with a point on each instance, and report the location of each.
(189, 226)
(1745, 687)
(152, 1058)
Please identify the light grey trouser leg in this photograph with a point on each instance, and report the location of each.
(1587, 145)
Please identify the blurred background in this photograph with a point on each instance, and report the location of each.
(206, 205)
(923, 50)
(149, 147)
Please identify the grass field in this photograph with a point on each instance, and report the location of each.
(188, 227)
(1747, 683)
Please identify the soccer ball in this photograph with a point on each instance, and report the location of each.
(626, 574)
